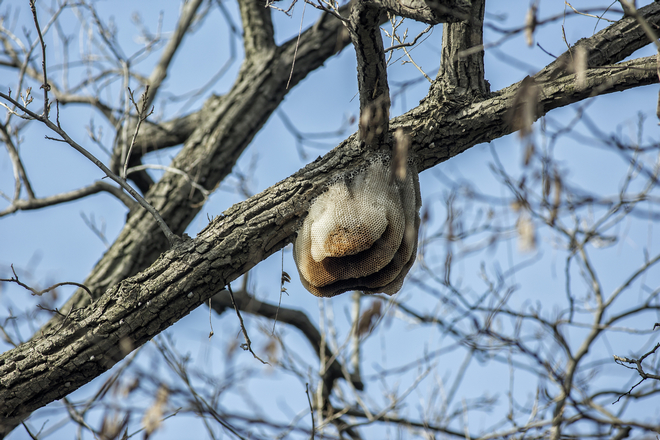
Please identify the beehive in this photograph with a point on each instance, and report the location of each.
(360, 234)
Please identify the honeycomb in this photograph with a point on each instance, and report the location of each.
(360, 234)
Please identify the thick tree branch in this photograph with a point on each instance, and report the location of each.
(441, 132)
(258, 33)
(372, 73)
(609, 46)
(426, 11)
(462, 63)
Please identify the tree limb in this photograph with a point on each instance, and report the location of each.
(372, 73)
(426, 11)
(258, 33)
(462, 65)
(610, 45)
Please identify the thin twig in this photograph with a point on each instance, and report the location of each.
(210, 322)
(295, 52)
(638, 367)
(412, 43)
(76, 194)
(20, 176)
(286, 278)
(41, 292)
(142, 115)
(171, 237)
(311, 410)
(588, 15)
(190, 180)
(32, 436)
(45, 85)
(248, 344)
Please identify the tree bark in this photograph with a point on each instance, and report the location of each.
(372, 73)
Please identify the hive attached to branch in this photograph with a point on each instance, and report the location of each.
(361, 234)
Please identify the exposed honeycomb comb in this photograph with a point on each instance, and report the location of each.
(361, 234)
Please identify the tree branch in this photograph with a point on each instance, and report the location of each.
(462, 64)
(20, 176)
(611, 45)
(94, 188)
(249, 304)
(427, 11)
(171, 238)
(372, 73)
(258, 33)
(433, 143)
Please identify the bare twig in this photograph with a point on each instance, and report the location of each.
(160, 70)
(410, 43)
(41, 292)
(20, 176)
(295, 52)
(94, 188)
(588, 15)
(197, 186)
(171, 237)
(45, 84)
(142, 115)
(248, 344)
(210, 321)
(637, 366)
(311, 410)
(32, 436)
(285, 278)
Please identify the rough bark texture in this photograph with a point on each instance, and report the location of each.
(372, 73)
(426, 11)
(462, 70)
(138, 294)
